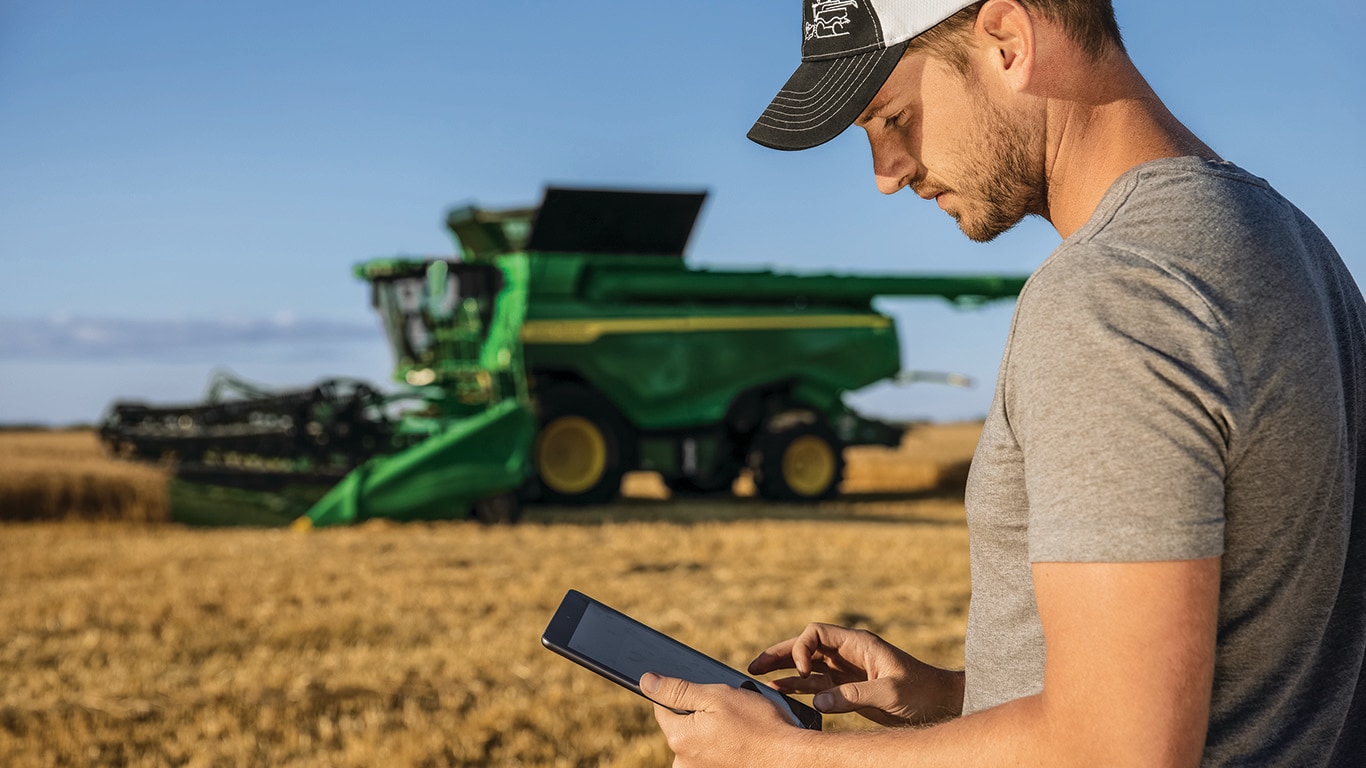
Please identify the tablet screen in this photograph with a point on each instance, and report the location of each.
(632, 649)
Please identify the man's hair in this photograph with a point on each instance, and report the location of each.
(1091, 23)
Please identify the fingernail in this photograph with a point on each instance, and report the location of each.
(823, 701)
(649, 682)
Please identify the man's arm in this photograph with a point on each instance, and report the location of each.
(1127, 681)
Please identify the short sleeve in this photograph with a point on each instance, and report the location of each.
(1120, 392)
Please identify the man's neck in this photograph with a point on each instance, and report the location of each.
(1109, 125)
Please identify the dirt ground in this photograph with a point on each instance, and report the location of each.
(134, 642)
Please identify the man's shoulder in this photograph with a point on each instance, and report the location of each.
(1193, 224)
(1184, 205)
(1197, 181)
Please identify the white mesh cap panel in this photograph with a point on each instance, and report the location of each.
(903, 19)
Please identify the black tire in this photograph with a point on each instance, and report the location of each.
(800, 460)
(583, 447)
(502, 509)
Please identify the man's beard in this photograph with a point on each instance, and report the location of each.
(1005, 185)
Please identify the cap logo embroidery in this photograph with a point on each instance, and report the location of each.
(829, 18)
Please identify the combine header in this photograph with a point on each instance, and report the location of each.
(564, 346)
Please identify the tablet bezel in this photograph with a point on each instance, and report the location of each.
(560, 631)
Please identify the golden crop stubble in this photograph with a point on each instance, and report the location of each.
(388, 644)
(65, 475)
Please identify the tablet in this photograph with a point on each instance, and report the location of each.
(622, 649)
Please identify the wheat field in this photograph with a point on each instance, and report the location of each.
(128, 641)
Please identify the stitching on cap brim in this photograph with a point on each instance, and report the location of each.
(822, 98)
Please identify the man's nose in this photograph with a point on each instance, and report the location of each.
(888, 185)
(893, 167)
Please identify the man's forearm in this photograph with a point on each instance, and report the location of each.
(1128, 678)
(1015, 733)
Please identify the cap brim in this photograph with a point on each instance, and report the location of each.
(824, 97)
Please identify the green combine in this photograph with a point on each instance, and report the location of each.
(564, 346)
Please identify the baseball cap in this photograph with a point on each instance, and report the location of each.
(849, 47)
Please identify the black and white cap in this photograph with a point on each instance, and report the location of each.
(849, 47)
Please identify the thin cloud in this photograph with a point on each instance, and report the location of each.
(66, 337)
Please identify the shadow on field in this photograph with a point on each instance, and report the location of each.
(941, 505)
(872, 508)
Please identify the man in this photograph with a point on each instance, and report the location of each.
(1167, 544)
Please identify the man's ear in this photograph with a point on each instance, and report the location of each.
(1005, 31)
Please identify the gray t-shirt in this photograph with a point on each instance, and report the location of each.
(1184, 379)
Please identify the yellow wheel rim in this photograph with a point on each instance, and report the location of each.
(571, 454)
(809, 465)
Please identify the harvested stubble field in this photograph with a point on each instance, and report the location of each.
(127, 641)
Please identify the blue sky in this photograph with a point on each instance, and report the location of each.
(186, 185)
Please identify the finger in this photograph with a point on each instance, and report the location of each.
(776, 657)
(665, 717)
(677, 694)
(805, 652)
(814, 640)
(851, 697)
(812, 684)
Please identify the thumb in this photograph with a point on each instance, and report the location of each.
(851, 697)
(676, 694)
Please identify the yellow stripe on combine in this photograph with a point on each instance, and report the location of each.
(589, 331)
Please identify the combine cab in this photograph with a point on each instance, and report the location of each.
(564, 346)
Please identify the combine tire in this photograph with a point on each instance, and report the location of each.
(801, 461)
(582, 448)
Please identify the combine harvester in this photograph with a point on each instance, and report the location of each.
(566, 345)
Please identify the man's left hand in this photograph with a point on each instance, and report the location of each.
(727, 726)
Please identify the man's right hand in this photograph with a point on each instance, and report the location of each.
(853, 670)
